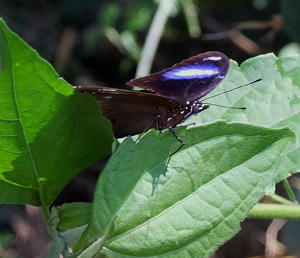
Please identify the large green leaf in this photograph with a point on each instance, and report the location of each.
(209, 188)
(48, 131)
(273, 102)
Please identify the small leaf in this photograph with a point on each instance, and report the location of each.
(73, 215)
(62, 240)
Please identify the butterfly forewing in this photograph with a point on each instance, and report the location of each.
(131, 112)
(188, 80)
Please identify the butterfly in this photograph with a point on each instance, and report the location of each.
(170, 97)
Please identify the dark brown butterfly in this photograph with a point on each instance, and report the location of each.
(170, 98)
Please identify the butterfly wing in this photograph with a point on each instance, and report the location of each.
(188, 80)
(131, 112)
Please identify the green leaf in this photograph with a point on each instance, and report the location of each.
(273, 102)
(63, 239)
(73, 215)
(96, 247)
(209, 188)
(48, 131)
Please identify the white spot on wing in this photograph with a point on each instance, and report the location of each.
(191, 72)
(213, 58)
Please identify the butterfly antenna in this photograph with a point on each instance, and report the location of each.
(258, 80)
(223, 106)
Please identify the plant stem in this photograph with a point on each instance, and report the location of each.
(279, 199)
(289, 190)
(275, 211)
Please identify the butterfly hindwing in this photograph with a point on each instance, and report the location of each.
(131, 112)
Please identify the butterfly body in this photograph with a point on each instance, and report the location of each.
(179, 115)
(172, 95)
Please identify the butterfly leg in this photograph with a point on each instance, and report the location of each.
(182, 144)
(192, 123)
(147, 128)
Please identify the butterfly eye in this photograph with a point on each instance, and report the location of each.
(197, 107)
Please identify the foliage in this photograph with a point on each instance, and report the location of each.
(50, 132)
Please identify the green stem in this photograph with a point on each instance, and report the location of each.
(51, 229)
(44, 205)
(289, 190)
(279, 199)
(275, 211)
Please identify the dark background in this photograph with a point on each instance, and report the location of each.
(93, 42)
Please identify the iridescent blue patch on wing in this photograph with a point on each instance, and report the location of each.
(191, 72)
